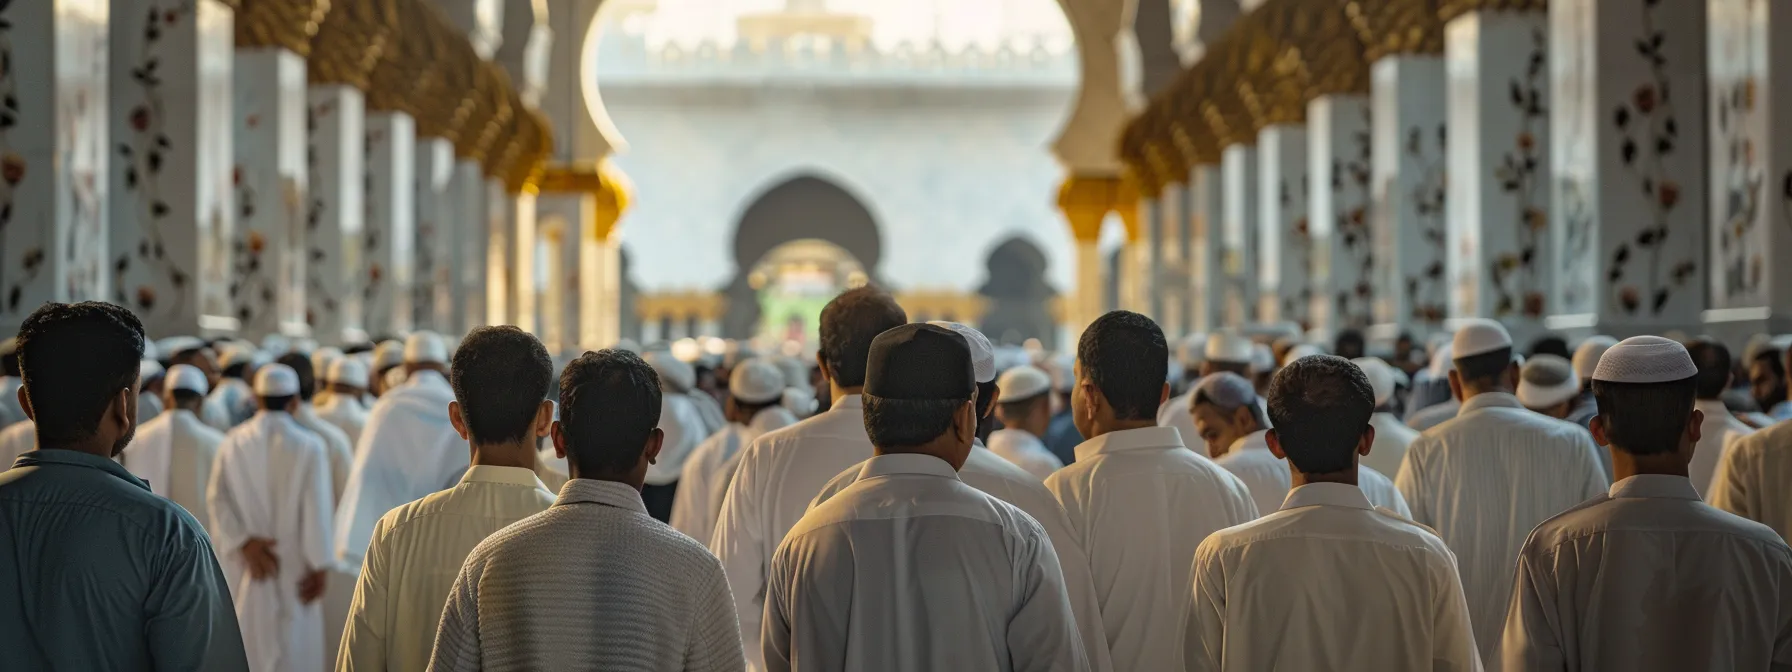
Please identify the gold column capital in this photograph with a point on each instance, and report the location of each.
(1086, 201)
(1389, 27)
(351, 41)
(1450, 9)
(608, 187)
(286, 24)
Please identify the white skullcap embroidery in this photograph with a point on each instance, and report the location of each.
(983, 356)
(183, 377)
(276, 380)
(1478, 336)
(1586, 356)
(1380, 375)
(347, 371)
(1299, 351)
(756, 381)
(1547, 380)
(388, 354)
(1645, 359)
(1229, 347)
(1022, 382)
(1226, 390)
(425, 347)
(1192, 352)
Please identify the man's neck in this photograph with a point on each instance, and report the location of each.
(838, 392)
(1346, 477)
(90, 447)
(519, 454)
(1625, 465)
(1472, 392)
(1112, 426)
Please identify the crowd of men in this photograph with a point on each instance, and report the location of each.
(919, 499)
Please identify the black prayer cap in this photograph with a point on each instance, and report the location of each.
(920, 361)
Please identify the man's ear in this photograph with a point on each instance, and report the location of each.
(821, 361)
(544, 418)
(25, 403)
(1455, 385)
(1163, 395)
(1275, 445)
(559, 440)
(1367, 441)
(460, 424)
(654, 440)
(994, 391)
(1695, 427)
(1597, 425)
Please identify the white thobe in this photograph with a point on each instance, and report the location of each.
(1754, 478)
(684, 427)
(707, 471)
(1327, 583)
(1024, 450)
(778, 474)
(1716, 434)
(237, 398)
(1269, 479)
(1139, 502)
(17, 439)
(1174, 413)
(1646, 578)
(417, 550)
(1483, 480)
(174, 453)
(908, 569)
(214, 414)
(409, 449)
(272, 481)
(1432, 416)
(347, 414)
(336, 446)
(1392, 437)
(148, 407)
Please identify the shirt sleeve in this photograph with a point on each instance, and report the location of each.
(715, 644)
(1204, 618)
(363, 644)
(774, 642)
(1042, 633)
(741, 546)
(227, 528)
(457, 646)
(192, 621)
(1729, 487)
(1529, 641)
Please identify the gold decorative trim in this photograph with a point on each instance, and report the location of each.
(351, 41)
(947, 305)
(286, 24)
(1450, 9)
(681, 305)
(609, 188)
(1086, 201)
(1389, 27)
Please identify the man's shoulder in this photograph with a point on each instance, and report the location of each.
(653, 543)
(157, 519)
(1774, 438)
(1376, 527)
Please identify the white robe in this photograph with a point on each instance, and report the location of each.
(347, 414)
(17, 439)
(685, 427)
(237, 399)
(1024, 450)
(272, 481)
(1269, 479)
(175, 453)
(336, 445)
(1719, 431)
(1754, 478)
(1392, 438)
(409, 449)
(707, 471)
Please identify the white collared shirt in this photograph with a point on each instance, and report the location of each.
(779, 473)
(409, 449)
(174, 453)
(417, 550)
(1327, 583)
(1754, 478)
(1139, 502)
(910, 569)
(1434, 415)
(1717, 433)
(1648, 577)
(704, 481)
(1392, 438)
(1268, 477)
(1024, 450)
(1483, 479)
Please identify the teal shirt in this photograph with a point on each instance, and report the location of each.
(98, 573)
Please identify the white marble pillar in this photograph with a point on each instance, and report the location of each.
(465, 244)
(267, 281)
(1169, 302)
(334, 223)
(1284, 243)
(1628, 160)
(1408, 178)
(524, 241)
(1343, 259)
(600, 280)
(53, 155)
(389, 244)
(500, 236)
(1238, 236)
(171, 212)
(549, 278)
(1207, 268)
(437, 218)
(1498, 234)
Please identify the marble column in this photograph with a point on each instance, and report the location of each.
(500, 257)
(1628, 160)
(1408, 180)
(600, 278)
(1206, 258)
(334, 221)
(1169, 302)
(1284, 244)
(523, 246)
(1238, 236)
(53, 155)
(389, 243)
(267, 256)
(433, 292)
(1498, 234)
(171, 213)
(1343, 259)
(463, 244)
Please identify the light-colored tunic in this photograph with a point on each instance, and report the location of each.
(347, 414)
(704, 481)
(910, 569)
(684, 427)
(1432, 416)
(1268, 477)
(336, 446)
(635, 594)
(1754, 478)
(1650, 578)
(409, 449)
(236, 398)
(1327, 583)
(1024, 450)
(1139, 502)
(1483, 480)
(174, 453)
(1717, 433)
(1392, 438)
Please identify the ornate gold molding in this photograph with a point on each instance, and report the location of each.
(609, 189)
(1450, 9)
(1295, 51)
(1086, 201)
(681, 305)
(351, 42)
(434, 96)
(943, 305)
(1388, 27)
(286, 24)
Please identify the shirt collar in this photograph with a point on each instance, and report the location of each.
(1130, 439)
(1253, 441)
(1655, 486)
(608, 493)
(851, 402)
(75, 458)
(1326, 494)
(485, 473)
(906, 464)
(1489, 400)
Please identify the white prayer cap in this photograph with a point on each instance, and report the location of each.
(1645, 359)
(1192, 351)
(756, 381)
(174, 345)
(1226, 390)
(1010, 356)
(1381, 377)
(1586, 356)
(1547, 380)
(388, 354)
(321, 358)
(1478, 336)
(394, 377)
(233, 356)
(347, 371)
(1226, 346)
(796, 373)
(425, 347)
(148, 369)
(276, 380)
(276, 344)
(1022, 382)
(1063, 367)
(674, 372)
(1753, 347)
(1299, 351)
(800, 401)
(983, 356)
(1263, 359)
(149, 349)
(183, 377)
(1441, 362)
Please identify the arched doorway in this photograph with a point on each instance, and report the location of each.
(1019, 297)
(804, 236)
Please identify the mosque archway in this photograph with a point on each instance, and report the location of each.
(1019, 297)
(797, 243)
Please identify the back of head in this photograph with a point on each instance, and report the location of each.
(848, 325)
(918, 376)
(1551, 344)
(301, 366)
(1713, 361)
(1587, 354)
(609, 407)
(1645, 389)
(1227, 392)
(1124, 355)
(424, 348)
(1547, 381)
(75, 358)
(1349, 344)
(1320, 406)
(500, 377)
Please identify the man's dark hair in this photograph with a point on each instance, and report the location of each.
(301, 365)
(1243, 369)
(609, 406)
(1772, 357)
(74, 359)
(500, 377)
(848, 323)
(1124, 355)
(905, 423)
(188, 399)
(277, 403)
(1713, 361)
(1484, 369)
(1645, 418)
(1551, 344)
(1349, 344)
(1021, 407)
(235, 370)
(1320, 406)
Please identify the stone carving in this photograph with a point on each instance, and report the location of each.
(1650, 133)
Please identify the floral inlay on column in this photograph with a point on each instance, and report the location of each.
(370, 240)
(1743, 268)
(1297, 251)
(144, 153)
(1425, 288)
(12, 172)
(1513, 274)
(1650, 133)
(317, 297)
(1350, 189)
